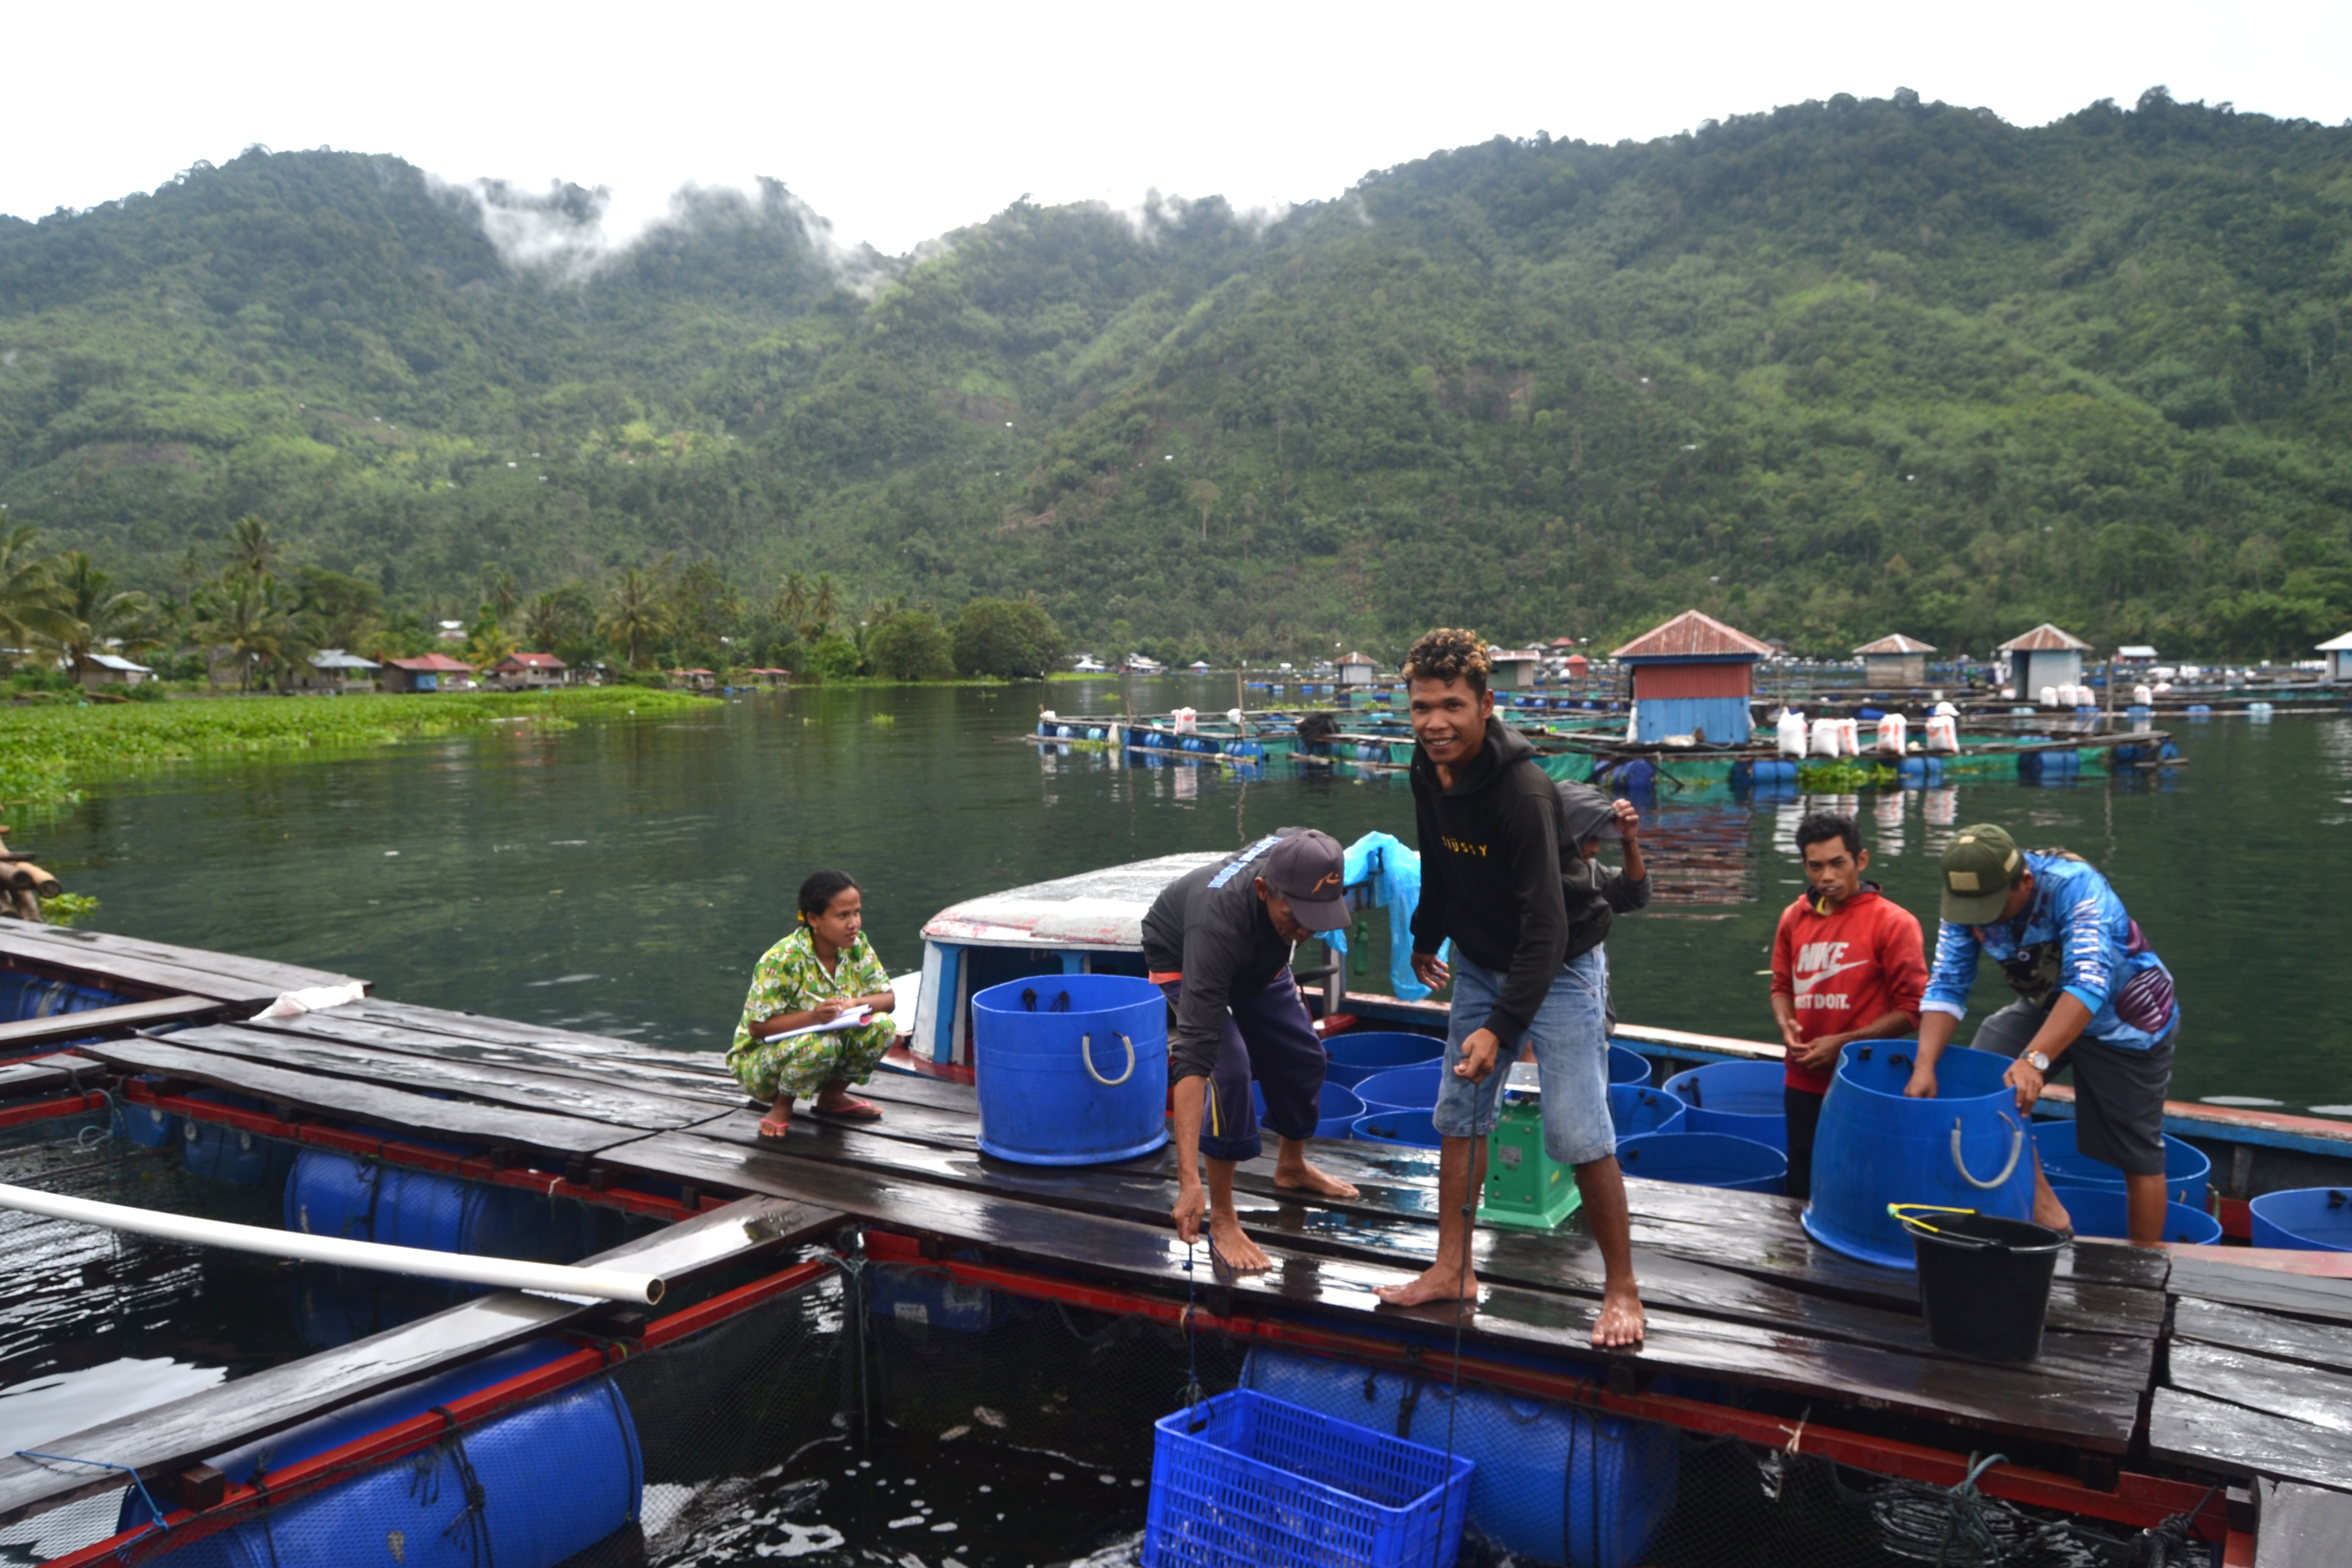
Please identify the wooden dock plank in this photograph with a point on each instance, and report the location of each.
(263, 973)
(28, 1033)
(2009, 1401)
(2324, 1345)
(171, 1436)
(2302, 1527)
(2217, 1436)
(674, 1073)
(563, 1095)
(58, 1070)
(137, 976)
(394, 1110)
(2293, 1295)
(2259, 1383)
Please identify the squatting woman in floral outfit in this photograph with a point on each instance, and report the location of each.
(824, 969)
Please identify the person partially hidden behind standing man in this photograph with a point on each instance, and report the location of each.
(1491, 884)
(1218, 942)
(2091, 994)
(1847, 965)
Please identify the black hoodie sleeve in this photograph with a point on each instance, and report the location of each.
(1529, 842)
(1429, 914)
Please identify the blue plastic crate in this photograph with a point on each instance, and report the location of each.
(1243, 1480)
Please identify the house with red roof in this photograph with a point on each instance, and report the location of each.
(431, 672)
(530, 672)
(1693, 677)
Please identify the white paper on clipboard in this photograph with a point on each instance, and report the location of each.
(849, 1020)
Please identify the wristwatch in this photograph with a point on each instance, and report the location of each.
(2039, 1062)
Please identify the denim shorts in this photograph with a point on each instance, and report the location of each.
(1570, 1037)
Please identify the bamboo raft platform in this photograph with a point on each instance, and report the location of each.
(2174, 1381)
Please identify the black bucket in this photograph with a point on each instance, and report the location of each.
(1984, 1281)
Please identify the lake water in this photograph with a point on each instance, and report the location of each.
(623, 877)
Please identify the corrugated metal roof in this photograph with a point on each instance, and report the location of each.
(2336, 645)
(433, 663)
(1359, 659)
(1895, 643)
(530, 662)
(336, 658)
(2045, 638)
(1693, 636)
(118, 663)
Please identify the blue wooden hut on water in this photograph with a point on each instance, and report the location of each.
(1691, 676)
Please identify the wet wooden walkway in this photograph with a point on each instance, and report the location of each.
(2221, 1371)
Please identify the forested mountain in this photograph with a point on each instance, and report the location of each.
(1840, 369)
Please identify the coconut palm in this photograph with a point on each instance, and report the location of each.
(635, 615)
(96, 616)
(248, 618)
(253, 549)
(28, 592)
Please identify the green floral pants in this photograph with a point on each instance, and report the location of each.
(805, 1063)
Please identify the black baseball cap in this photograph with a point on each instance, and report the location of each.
(1309, 871)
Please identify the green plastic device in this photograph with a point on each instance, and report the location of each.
(1526, 1188)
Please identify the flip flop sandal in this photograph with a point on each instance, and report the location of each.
(849, 1110)
(773, 1131)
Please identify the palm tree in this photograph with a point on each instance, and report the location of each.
(823, 604)
(634, 618)
(253, 549)
(249, 618)
(96, 616)
(501, 593)
(792, 601)
(544, 624)
(28, 591)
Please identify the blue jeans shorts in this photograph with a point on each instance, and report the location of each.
(1570, 1037)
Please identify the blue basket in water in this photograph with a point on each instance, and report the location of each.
(1338, 1112)
(1964, 1150)
(1401, 1089)
(2307, 1219)
(2188, 1174)
(1627, 1065)
(1245, 1478)
(1355, 1057)
(1742, 1098)
(1636, 1108)
(1072, 1069)
(1414, 1129)
(1706, 1160)
(2100, 1210)
(1546, 1475)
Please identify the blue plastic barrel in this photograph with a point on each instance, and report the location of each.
(231, 1153)
(538, 1485)
(1628, 1065)
(1338, 1111)
(2100, 1210)
(1550, 1483)
(1636, 1108)
(1965, 1148)
(1072, 1069)
(1401, 1089)
(1742, 1098)
(2187, 1172)
(1356, 1056)
(334, 1195)
(1410, 1128)
(2307, 1219)
(1706, 1160)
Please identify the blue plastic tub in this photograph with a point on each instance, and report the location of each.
(2307, 1219)
(1245, 1478)
(1338, 1112)
(1741, 1099)
(1410, 1128)
(1072, 1069)
(1706, 1160)
(1965, 1148)
(1636, 1108)
(553, 1479)
(2187, 1172)
(1356, 1056)
(2099, 1211)
(1619, 1476)
(1628, 1065)
(1401, 1089)
(334, 1195)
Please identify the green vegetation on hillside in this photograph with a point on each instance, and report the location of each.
(1836, 370)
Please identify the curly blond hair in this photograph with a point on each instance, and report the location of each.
(1448, 653)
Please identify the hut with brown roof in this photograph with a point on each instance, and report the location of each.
(1692, 675)
(2044, 656)
(1895, 660)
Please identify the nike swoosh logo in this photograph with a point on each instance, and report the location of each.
(1805, 982)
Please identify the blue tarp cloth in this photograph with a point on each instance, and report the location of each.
(1394, 873)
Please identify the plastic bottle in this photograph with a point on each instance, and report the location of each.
(1791, 733)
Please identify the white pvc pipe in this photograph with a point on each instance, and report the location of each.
(604, 1284)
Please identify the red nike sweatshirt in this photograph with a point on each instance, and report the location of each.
(1845, 968)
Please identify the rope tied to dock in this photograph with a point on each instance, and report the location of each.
(474, 1520)
(104, 1465)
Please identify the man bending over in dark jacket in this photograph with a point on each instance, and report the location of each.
(1491, 870)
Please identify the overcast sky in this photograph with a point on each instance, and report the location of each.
(901, 122)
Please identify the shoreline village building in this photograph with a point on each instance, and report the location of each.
(432, 672)
(2339, 657)
(1895, 660)
(2043, 656)
(1357, 670)
(1692, 675)
(1512, 669)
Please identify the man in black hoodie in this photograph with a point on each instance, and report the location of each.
(1491, 883)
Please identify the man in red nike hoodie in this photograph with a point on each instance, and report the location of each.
(1847, 965)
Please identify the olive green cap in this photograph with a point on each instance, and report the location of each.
(1979, 868)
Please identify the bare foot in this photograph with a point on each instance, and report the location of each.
(1304, 1175)
(1232, 1244)
(2049, 1211)
(1443, 1281)
(1620, 1322)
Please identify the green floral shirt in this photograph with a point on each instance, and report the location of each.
(788, 979)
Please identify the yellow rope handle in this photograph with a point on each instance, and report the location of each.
(1896, 1211)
